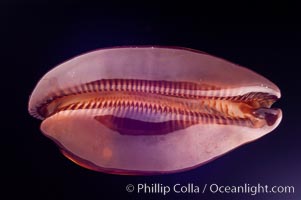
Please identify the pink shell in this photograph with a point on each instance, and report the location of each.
(94, 145)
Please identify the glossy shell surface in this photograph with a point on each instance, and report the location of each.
(152, 110)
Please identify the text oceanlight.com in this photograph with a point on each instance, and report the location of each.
(190, 188)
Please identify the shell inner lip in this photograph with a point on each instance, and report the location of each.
(255, 105)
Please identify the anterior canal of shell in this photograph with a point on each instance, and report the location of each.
(168, 110)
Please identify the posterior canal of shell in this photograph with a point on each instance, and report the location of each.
(145, 123)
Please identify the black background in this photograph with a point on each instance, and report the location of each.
(36, 36)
